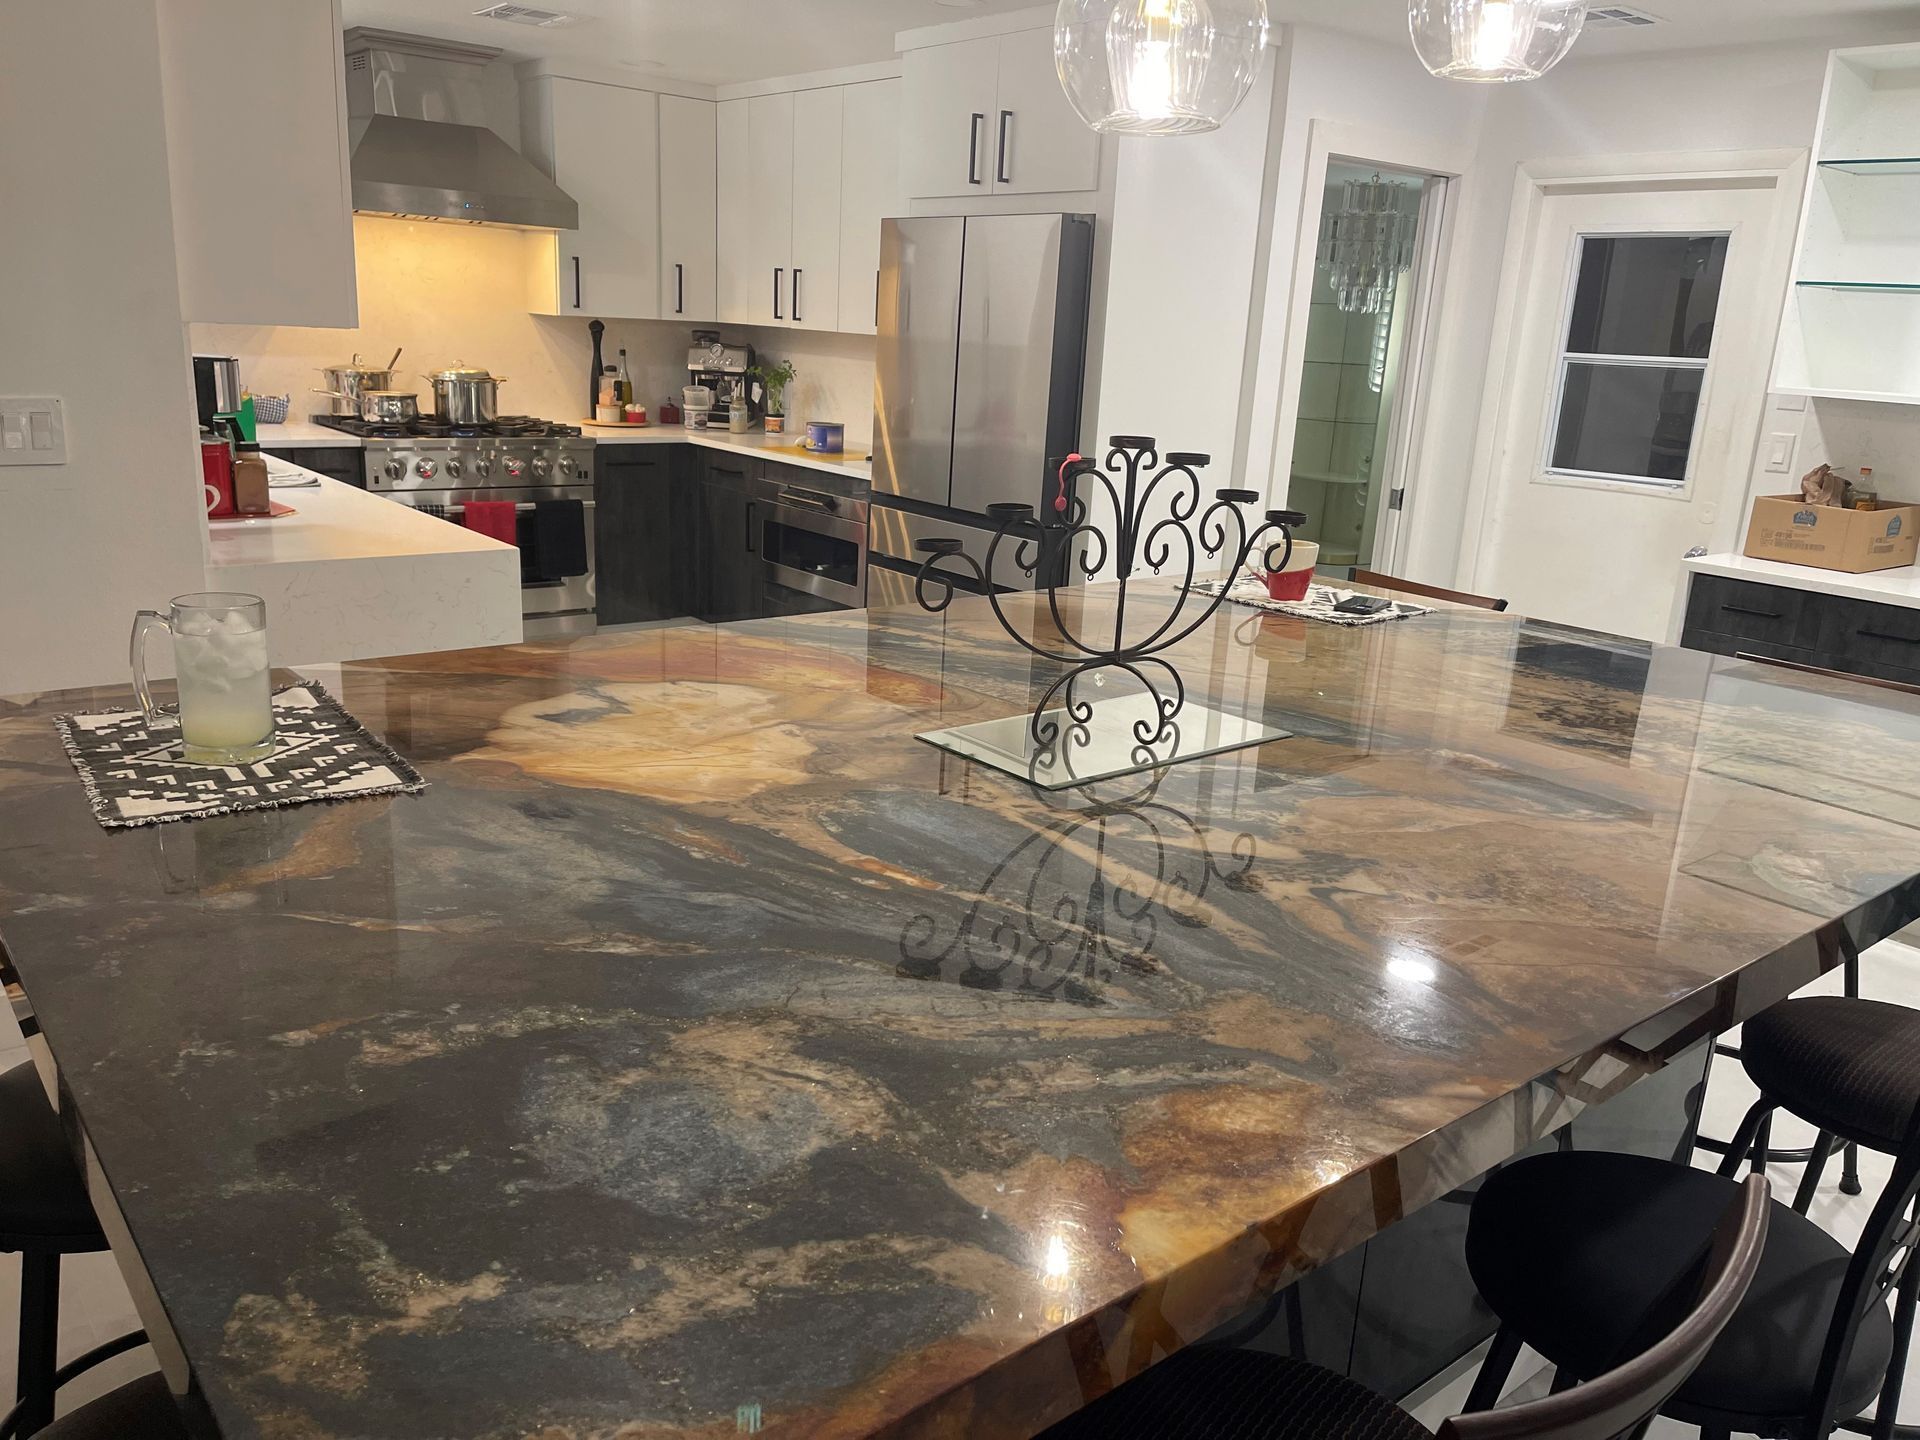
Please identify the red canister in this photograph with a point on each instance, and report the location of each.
(216, 476)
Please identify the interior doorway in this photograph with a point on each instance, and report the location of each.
(1364, 318)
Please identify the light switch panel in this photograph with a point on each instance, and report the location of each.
(33, 431)
(1779, 454)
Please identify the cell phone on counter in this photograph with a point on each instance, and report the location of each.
(1362, 605)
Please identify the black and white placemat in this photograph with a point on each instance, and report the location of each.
(1318, 604)
(136, 775)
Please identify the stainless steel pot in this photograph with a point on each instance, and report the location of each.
(345, 384)
(389, 407)
(463, 395)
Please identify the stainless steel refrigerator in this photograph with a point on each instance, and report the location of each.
(979, 371)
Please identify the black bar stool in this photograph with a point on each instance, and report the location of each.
(142, 1409)
(1208, 1393)
(44, 1215)
(1813, 1156)
(1567, 1248)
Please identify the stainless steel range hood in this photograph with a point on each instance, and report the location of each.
(419, 144)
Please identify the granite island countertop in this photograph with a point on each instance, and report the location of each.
(701, 1051)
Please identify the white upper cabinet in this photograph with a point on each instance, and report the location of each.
(601, 144)
(257, 156)
(1039, 144)
(869, 192)
(689, 185)
(769, 174)
(951, 94)
(738, 284)
(988, 117)
(814, 290)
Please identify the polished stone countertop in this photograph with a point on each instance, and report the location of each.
(701, 1051)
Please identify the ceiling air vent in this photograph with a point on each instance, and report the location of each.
(525, 15)
(1619, 17)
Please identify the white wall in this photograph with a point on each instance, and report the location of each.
(92, 316)
(1755, 97)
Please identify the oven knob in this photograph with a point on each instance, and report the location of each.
(453, 469)
(396, 469)
(541, 466)
(483, 467)
(515, 465)
(425, 469)
(564, 465)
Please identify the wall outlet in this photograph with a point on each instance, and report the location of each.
(33, 431)
(1780, 453)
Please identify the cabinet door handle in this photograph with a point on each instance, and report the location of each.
(796, 294)
(1748, 610)
(778, 271)
(751, 507)
(1000, 160)
(576, 282)
(1883, 635)
(679, 288)
(973, 148)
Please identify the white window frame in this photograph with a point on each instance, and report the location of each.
(1551, 474)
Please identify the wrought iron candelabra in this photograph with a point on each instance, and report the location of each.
(1065, 543)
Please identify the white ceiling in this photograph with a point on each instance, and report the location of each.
(721, 40)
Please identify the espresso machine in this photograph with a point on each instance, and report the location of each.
(723, 369)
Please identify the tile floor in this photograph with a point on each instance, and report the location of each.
(95, 1305)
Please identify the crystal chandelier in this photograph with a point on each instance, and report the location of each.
(1158, 67)
(1493, 40)
(1368, 243)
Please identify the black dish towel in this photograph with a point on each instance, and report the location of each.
(554, 540)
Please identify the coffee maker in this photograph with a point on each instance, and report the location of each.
(723, 369)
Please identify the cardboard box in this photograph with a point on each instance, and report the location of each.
(1785, 527)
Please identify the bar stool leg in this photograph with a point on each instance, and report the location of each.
(1850, 1169)
(1494, 1371)
(1810, 1177)
(1741, 1145)
(39, 1332)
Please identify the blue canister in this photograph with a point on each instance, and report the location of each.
(829, 437)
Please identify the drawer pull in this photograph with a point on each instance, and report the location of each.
(1883, 635)
(1747, 610)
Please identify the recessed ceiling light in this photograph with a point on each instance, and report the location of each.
(961, 4)
(525, 15)
(641, 64)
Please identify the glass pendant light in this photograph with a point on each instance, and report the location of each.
(1158, 67)
(1494, 40)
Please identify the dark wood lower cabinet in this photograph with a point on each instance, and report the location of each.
(730, 586)
(640, 542)
(1726, 616)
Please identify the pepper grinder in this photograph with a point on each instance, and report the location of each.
(596, 329)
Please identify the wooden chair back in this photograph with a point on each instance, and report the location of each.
(1431, 592)
(1622, 1402)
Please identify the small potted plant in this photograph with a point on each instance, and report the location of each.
(774, 379)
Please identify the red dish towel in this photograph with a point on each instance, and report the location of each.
(495, 519)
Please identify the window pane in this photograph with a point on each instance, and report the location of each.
(1647, 295)
(1633, 420)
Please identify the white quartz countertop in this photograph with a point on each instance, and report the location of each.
(1888, 587)
(781, 448)
(304, 434)
(352, 575)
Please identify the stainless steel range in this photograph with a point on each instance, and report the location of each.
(440, 471)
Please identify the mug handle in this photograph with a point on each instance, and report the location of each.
(143, 622)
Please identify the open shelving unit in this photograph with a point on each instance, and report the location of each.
(1852, 325)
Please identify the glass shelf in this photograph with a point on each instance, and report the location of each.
(1889, 165)
(1889, 286)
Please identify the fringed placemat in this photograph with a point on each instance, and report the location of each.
(136, 774)
(1318, 604)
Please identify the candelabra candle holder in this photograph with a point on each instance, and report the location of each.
(1064, 545)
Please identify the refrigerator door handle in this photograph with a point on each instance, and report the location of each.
(974, 122)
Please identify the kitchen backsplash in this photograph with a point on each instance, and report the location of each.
(459, 293)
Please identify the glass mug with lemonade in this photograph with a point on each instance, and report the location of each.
(220, 659)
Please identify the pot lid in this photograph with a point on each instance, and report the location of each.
(389, 394)
(354, 367)
(460, 371)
